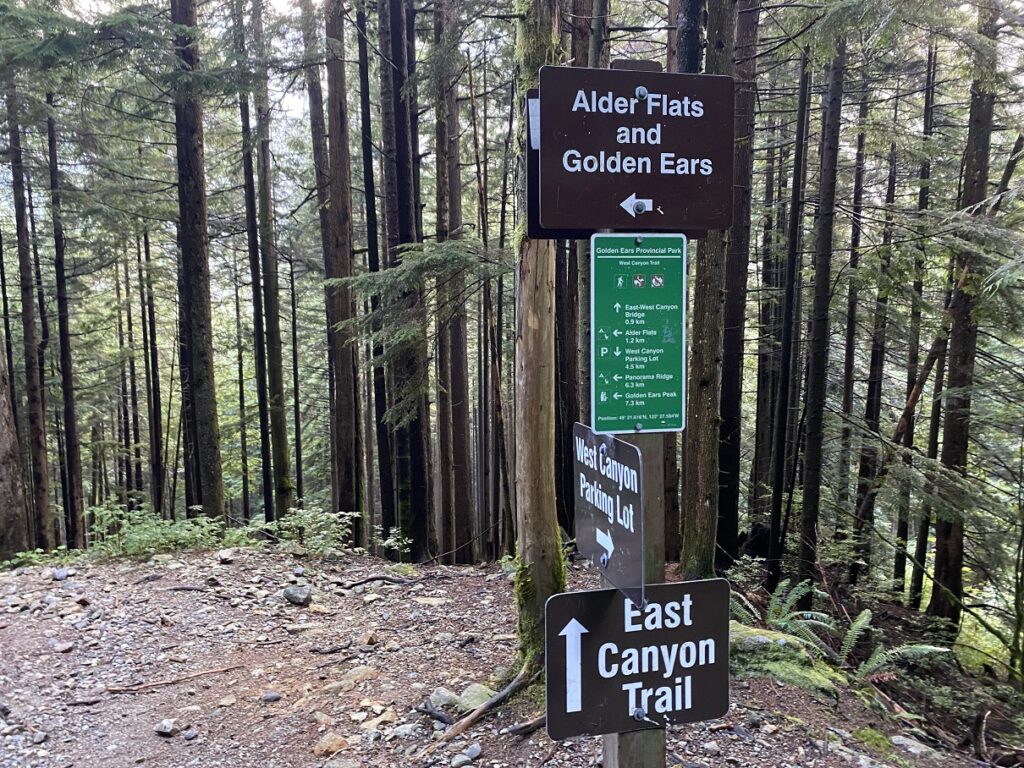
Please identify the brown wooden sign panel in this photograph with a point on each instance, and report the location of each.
(629, 150)
(613, 667)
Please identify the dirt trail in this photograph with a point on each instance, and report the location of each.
(94, 659)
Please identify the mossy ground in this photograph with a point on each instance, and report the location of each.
(766, 653)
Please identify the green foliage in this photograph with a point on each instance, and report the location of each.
(394, 539)
(32, 557)
(883, 658)
(856, 630)
(118, 531)
(318, 531)
(873, 739)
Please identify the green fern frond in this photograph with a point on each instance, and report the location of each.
(798, 592)
(881, 658)
(775, 602)
(742, 609)
(854, 633)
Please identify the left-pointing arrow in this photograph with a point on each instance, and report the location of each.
(572, 633)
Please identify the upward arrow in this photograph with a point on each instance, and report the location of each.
(572, 633)
(617, 306)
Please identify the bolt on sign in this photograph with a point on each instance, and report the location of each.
(614, 667)
(638, 333)
(609, 508)
(622, 149)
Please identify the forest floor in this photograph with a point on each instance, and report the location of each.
(94, 658)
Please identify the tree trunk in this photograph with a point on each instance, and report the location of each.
(863, 524)
(850, 342)
(133, 383)
(156, 430)
(13, 531)
(935, 420)
(72, 446)
(194, 245)
(948, 589)
(735, 311)
(253, 247)
(541, 566)
(779, 437)
(297, 410)
(243, 436)
(410, 448)
(385, 471)
(125, 463)
(338, 263)
(9, 343)
(767, 345)
(44, 529)
(817, 372)
(283, 488)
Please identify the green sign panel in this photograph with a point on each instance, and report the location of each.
(638, 332)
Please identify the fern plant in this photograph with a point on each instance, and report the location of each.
(882, 658)
(858, 627)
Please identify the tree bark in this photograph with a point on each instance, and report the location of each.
(72, 445)
(44, 528)
(338, 262)
(194, 245)
(850, 338)
(817, 372)
(243, 436)
(284, 498)
(863, 523)
(736, 265)
(935, 419)
(411, 465)
(385, 470)
(541, 567)
(948, 588)
(296, 400)
(256, 288)
(13, 531)
(156, 430)
(779, 437)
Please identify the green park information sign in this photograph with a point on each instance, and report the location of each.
(638, 332)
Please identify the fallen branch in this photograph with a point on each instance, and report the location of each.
(85, 702)
(332, 649)
(369, 579)
(978, 737)
(172, 681)
(185, 588)
(527, 727)
(551, 753)
(522, 680)
(428, 709)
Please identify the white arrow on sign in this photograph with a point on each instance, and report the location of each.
(617, 306)
(617, 395)
(616, 377)
(573, 665)
(634, 205)
(604, 541)
(618, 352)
(616, 333)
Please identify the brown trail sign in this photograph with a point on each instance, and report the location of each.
(623, 149)
(613, 667)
